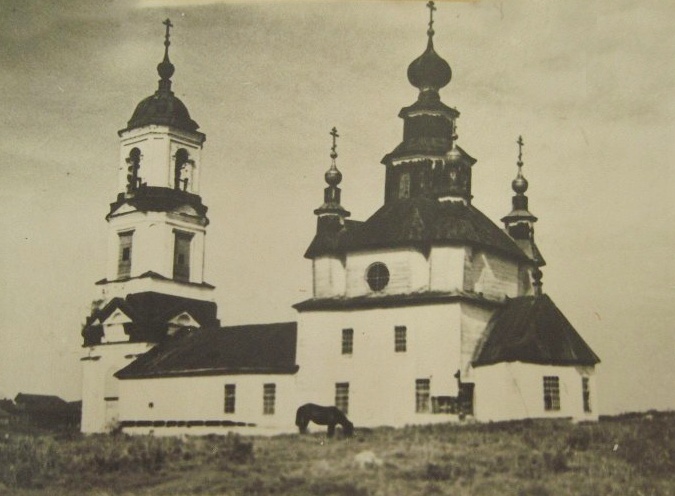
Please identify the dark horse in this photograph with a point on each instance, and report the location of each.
(322, 415)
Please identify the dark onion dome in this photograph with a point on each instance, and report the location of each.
(429, 70)
(519, 184)
(333, 176)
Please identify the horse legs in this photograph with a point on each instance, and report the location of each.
(331, 430)
(303, 426)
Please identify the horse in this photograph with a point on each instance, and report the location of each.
(323, 415)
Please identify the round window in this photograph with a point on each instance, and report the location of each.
(377, 276)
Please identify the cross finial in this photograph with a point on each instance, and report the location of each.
(432, 7)
(335, 135)
(520, 150)
(168, 25)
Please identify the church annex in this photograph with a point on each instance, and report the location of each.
(425, 312)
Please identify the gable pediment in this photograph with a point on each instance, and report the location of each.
(184, 319)
(117, 317)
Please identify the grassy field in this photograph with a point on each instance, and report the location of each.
(629, 455)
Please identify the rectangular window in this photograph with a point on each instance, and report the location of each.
(444, 404)
(400, 339)
(551, 393)
(586, 392)
(269, 398)
(347, 341)
(230, 393)
(422, 393)
(124, 259)
(181, 256)
(404, 186)
(342, 397)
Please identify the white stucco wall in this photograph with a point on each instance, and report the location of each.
(158, 146)
(509, 391)
(474, 320)
(491, 274)
(408, 271)
(329, 275)
(446, 265)
(381, 381)
(202, 398)
(99, 363)
(153, 244)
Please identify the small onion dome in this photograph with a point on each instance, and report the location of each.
(165, 68)
(429, 70)
(333, 176)
(519, 184)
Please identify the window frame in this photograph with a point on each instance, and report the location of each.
(400, 339)
(269, 398)
(125, 253)
(551, 385)
(348, 341)
(378, 276)
(181, 272)
(342, 397)
(230, 403)
(422, 395)
(586, 394)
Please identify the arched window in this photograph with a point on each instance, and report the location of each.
(133, 164)
(180, 168)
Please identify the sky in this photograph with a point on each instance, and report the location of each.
(589, 84)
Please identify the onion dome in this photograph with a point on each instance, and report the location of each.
(429, 70)
(163, 108)
(333, 176)
(519, 184)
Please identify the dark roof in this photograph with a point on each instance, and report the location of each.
(329, 242)
(40, 402)
(150, 313)
(388, 301)
(160, 199)
(248, 349)
(162, 108)
(419, 145)
(531, 329)
(154, 275)
(420, 222)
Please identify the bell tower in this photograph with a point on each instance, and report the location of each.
(158, 222)
(154, 282)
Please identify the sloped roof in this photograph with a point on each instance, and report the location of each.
(150, 313)
(329, 242)
(421, 221)
(40, 402)
(531, 329)
(247, 349)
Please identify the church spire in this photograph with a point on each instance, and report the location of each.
(519, 223)
(331, 195)
(165, 68)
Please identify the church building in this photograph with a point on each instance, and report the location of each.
(425, 312)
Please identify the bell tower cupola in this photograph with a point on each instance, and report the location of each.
(331, 214)
(519, 223)
(158, 221)
(428, 161)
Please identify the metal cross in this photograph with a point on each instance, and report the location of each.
(168, 25)
(335, 135)
(520, 150)
(431, 6)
